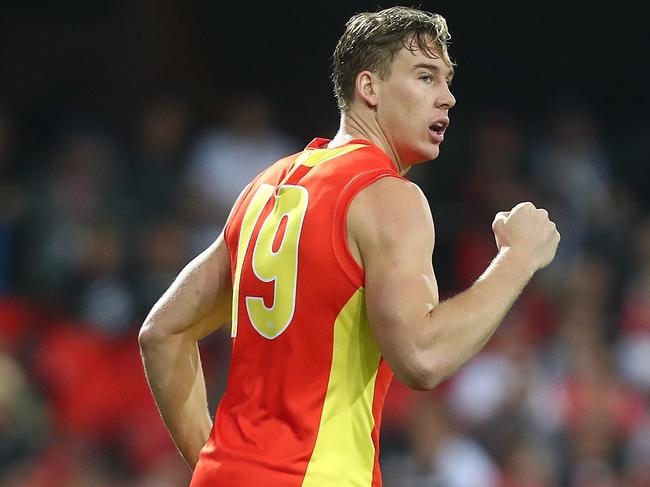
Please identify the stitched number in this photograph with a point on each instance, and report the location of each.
(275, 256)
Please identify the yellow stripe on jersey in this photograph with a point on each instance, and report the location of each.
(344, 454)
(314, 157)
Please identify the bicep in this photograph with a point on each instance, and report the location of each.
(392, 226)
(216, 292)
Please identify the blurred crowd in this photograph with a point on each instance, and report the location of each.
(94, 227)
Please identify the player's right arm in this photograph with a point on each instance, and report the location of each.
(196, 304)
(390, 229)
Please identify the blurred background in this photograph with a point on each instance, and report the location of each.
(127, 128)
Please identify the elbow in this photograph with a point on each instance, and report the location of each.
(418, 383)
(422, 374)
(149, 335)
(155, 333)
(145, 336)
(428, 380)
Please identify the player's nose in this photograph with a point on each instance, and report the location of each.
(446, 99)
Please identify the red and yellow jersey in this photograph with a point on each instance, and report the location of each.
(307, 382)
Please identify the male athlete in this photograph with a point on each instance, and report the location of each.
(324, 270)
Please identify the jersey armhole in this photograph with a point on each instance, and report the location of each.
(349, 265)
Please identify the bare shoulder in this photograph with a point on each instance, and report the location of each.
(390, 211)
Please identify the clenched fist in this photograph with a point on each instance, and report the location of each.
(529, 232)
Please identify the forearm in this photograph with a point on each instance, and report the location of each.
(424, 341)
(457, 329)
(173, 368)
(195, 305)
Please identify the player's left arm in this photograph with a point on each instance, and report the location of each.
(196, 304)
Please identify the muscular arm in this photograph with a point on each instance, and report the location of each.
(195, 305)
(424, 340)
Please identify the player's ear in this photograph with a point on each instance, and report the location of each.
(365, 88)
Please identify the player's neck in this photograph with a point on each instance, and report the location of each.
(356, 126)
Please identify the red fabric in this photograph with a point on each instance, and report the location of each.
(613, 402)
(142, 435)
(16, 317)
(267, 422)
(636, 312)
(54, 467)
(98, 392)
(75, 364)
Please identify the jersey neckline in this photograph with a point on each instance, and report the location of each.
(321, 143)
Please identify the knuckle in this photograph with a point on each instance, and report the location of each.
(524, 205)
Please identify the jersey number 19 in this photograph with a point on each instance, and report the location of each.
(274, 258)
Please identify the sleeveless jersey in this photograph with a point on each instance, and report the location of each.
(306, 383)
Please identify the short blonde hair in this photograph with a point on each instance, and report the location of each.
(371, 40)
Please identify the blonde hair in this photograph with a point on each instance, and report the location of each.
(371, 40)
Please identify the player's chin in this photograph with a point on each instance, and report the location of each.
(422, 152)
(431, 152)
